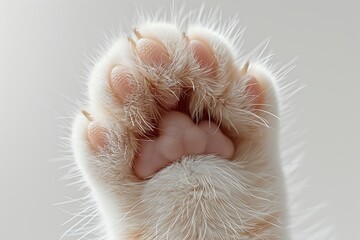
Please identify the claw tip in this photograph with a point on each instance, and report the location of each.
(87, 115)
(137, 33)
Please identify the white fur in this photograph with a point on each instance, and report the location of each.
(199, 197)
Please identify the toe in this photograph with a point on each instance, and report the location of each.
(120, 83)
(152, 53)
(97, 136)
(204, 57)
(256, 91)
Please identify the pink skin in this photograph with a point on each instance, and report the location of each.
(97, 136)
(119, 83)
(204, 57)
(178, 134)
(256, 90)
(152, 53)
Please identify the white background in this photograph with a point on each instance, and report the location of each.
(44, 49)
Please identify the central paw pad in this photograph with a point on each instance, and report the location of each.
(178, 136)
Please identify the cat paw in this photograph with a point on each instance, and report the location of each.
(172, 119)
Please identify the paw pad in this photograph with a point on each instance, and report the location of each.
(178, 136)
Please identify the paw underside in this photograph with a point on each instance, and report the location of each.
(179, 139)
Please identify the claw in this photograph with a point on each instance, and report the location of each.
(133, 43)
(185, 37)
(87, 115)
(137, 34)
(245, 67)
